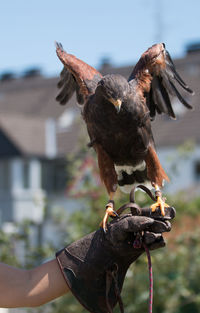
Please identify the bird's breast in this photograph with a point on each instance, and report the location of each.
(118, 133)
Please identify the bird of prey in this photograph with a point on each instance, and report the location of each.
(118, 115)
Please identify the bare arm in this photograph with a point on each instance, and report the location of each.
(30, 288)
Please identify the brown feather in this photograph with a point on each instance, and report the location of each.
(155, 171)
(155, 66)
(80, 70)
(107, 170)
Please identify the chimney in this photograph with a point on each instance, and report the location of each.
(7, 76)
(32, 72)
(192, 48)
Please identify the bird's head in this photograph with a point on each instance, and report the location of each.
(114, 88)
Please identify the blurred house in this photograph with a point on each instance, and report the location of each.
(37, 135)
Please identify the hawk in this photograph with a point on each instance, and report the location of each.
(118, 114)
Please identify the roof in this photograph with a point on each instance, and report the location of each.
(172, 133)
(27, 104)
(26, 132)
(30, 96)
(25, 107)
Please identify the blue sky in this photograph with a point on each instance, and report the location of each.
(120, 30)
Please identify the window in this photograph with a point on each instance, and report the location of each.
(26, 174)
(4, 174)
(197, 170)
(54, 175)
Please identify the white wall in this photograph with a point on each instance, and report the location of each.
(4, 310)
(182, 174)
(28, 203)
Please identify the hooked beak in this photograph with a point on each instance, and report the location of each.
(117, 103)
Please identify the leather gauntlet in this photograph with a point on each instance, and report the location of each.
(95, 266)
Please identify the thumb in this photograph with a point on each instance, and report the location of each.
(131, 224)
(137, 223)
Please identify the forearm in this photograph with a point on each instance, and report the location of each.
(30, 288)
(12, 285)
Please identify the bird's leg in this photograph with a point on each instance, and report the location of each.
(109, 177)
(160, 202)
(109, 212)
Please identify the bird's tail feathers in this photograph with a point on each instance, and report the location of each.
(155, 171)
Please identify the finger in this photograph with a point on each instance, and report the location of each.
(119, 228)
(150, 237)
(160, 226)
(157, 244)
(170, 213)
(135, 223)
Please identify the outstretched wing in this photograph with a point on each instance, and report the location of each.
(76, 76)
(155, 74)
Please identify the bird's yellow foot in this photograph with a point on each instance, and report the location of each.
(160, 203)
(109, 212)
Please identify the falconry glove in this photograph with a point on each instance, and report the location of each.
(95, 266)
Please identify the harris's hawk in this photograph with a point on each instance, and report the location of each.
(118, 115)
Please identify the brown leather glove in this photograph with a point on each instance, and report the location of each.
(95, 266)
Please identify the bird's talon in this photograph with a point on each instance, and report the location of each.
(109, 212)
(153, 207)
(116, 214)
(160, 203)
(105, 229)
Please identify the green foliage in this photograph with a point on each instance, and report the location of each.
(17, 248)
(176, 279)
(184, 204)
(7, 249)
